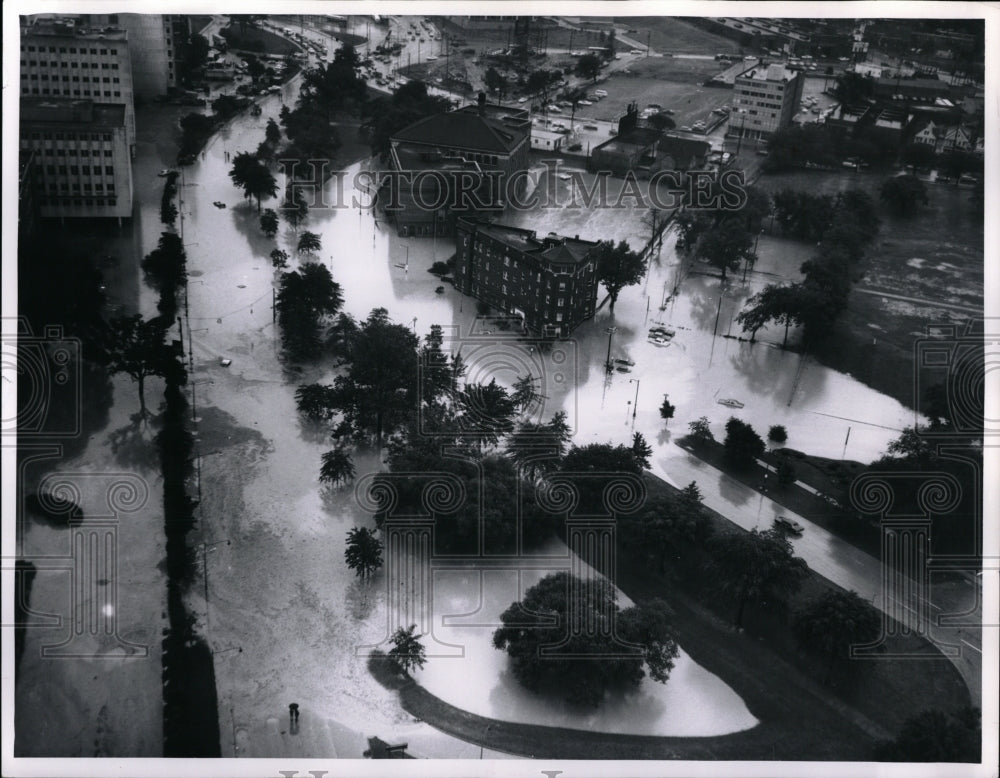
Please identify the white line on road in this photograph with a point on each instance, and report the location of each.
(977, 650)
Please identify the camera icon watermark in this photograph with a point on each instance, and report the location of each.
(951, 364)
(45, 369)
(539, 375)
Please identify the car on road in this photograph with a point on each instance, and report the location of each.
(219, 204)
(522, 99)
(788, 525)
(165, 172)
(685, 128)
(590, 127)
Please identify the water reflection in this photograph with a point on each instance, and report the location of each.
(693, 702)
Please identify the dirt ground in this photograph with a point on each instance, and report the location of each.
(689, 101)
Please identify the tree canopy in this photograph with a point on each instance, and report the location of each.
(618, 267)
(250, 174)
(596, 664)
(834, 621)
(755, 566)
(306, 298)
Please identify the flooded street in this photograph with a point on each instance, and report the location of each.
(283, 612)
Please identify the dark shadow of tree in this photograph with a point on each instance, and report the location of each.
(133, 444)
(361, 598)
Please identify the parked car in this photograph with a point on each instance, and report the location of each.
(788, 525)
(165, 172)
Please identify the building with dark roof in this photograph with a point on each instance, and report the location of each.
(550, 282)
(440, 154)
(644, 150)
(81, 152)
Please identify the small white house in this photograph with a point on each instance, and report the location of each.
(546, 140)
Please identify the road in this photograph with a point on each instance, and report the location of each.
(839, 561)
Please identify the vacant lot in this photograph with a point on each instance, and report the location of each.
(934, 259)
(669, 34)
(248, 38)
(689, 102)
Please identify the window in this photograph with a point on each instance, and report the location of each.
(558, 317)
(109, 170)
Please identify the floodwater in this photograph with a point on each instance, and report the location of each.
(280, 589)
(467, 607)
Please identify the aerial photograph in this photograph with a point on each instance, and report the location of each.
(578, 389)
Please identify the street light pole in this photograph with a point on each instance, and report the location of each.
(635, 405)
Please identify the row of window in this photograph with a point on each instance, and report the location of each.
(66, 92)
(80, 202)
(50, 152)
(65, 49)
(77, 79)
(78, 136)
(76, 170)
(68, 64)
(88, 188)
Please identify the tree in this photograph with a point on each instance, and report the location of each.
(777, 434)
(337, 467)
(363, 552)
(834, 621)
(525, 391)
(407, 651)
(700, 431)
(853, 88)
(662, 121)
(742, 444)
(667, 409)
(317, 402)
(667, 523)
(725, 246)
(574, 96)
(539, 447)
(784, 304)
(279, 258)
(408, 104)
(589, 66)
(917, 155)
(488, 410)
(378, 394)
(903, 194)
(272, 133)
(138, 348)
(255, 68)
(598, 664)
(755, 566)
(251, 175)
(786, 473)
(641, 450)
(618, 267)
(309, 243)
(937, 736)
(305, 298)
(165, 267)
(269, 222)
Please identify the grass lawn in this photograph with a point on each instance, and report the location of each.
(273, 44)
(934, 257)
(670, 35)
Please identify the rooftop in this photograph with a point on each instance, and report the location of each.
(68, 27)
(410, 158)
(775, 72)
(464, 129)
(552, 248)
(79, 113)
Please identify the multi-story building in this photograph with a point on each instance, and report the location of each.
(61, 58)
(765, 99)
(550, 282)
(81, 154)
(490, 144)
(152, 48)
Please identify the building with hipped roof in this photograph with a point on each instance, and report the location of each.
(466, 161)
(550, 282)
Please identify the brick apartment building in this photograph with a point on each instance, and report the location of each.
(550, 282)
